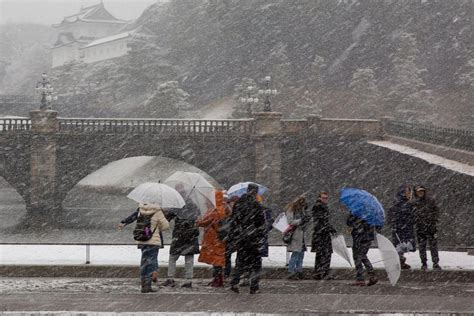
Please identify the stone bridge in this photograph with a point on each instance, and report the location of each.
(43, 157)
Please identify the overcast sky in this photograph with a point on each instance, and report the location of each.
(52, 11)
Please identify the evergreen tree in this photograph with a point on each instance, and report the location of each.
(363, 85)
(408, 94)
(166, 101)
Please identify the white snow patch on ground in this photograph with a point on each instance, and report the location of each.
(432, 159)
(130, 255)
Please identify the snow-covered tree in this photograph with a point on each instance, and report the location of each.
(408, 94)
(166, 101)
(364, 86)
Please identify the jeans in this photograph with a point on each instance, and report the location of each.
(248, 259)
(149, 261)
(359, 253)
(296, 262)
(188, 266)
(429, 237)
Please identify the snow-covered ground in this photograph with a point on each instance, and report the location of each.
(432, 159)
(130, 255)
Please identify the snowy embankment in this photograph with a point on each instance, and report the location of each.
(130, 255)
(430, 158)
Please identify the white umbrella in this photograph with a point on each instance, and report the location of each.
(158, 194)
(196, 187)
(339, 246)
(390, 258)
(240, 189)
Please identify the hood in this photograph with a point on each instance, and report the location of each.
(149, 209)
(219, 198)
(220, 202)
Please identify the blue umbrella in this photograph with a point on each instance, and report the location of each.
(363, 205)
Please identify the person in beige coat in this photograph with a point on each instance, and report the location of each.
(149, 248)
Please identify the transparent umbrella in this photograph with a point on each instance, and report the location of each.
(158, 194)
(390, 258)
(195, 187)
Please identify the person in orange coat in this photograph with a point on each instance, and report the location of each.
(213, 248)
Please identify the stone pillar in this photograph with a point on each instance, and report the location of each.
(314, 122)
(267, 139)
(43, 207)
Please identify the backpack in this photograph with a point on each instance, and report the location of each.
(142, 231)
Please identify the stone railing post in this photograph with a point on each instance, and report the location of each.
(267, 138)
(384, 121)
(43, 206)
(314, 122)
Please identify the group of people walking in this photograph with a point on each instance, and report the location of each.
(241, 225)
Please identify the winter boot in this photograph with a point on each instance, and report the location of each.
(219, 281)
(169, 282)
(154, 277)
(235, 289)
(146, 286)
(213, 282)
(372, 280)
(359, 283)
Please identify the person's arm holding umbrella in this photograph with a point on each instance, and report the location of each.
(128, 220)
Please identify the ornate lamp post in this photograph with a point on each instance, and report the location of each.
(249, 99)
(267, 92)
(45, 89)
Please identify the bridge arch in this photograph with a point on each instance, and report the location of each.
(99, 200)
(224, 163)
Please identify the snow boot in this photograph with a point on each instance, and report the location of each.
(359, 283)
(372, 280)
(235, 289)
(169, 282)
(219, 281)
(146, 286)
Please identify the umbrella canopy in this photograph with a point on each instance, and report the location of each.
(240, 189)
(363, 205)
(158, 194)
(339, 246)
(390, 258)
(194, 186)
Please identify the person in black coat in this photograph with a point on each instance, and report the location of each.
(247, 234)
(362, 236)
(184, 242)
(401, 219)
(321, 241)
(426, 214)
